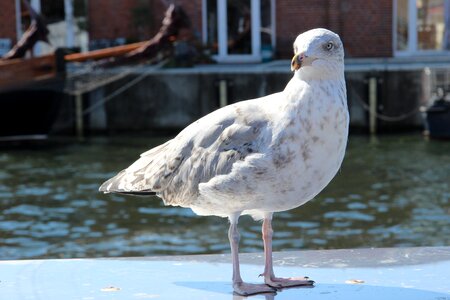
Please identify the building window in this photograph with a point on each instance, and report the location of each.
(422, 27)
(238, 30)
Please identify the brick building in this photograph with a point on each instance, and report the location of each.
(248, 30)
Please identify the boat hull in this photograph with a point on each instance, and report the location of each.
(438, 120)
(26, 113)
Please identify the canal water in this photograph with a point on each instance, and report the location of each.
(392, 191)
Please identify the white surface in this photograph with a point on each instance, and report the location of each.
(417, 273)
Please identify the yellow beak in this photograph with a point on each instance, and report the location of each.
(296, 63)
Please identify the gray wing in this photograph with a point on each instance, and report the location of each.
(205, 149)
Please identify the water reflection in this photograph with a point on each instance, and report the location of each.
(393, 191)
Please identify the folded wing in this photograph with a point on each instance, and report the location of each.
(205, 149)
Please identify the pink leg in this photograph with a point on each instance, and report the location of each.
(269, 276)
(239, 286)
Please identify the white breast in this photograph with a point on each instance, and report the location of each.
(308, 144)
(308, 153)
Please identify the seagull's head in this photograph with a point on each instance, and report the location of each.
(318, 52)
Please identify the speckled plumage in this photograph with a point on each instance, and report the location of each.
(257, 156)
(264, 155)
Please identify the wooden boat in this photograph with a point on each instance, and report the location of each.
(29, 93)
(31, 88)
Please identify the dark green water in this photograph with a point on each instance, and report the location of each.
(392, 191)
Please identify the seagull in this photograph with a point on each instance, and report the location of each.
(256, 157)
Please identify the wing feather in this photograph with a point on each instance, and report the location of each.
(205, 149)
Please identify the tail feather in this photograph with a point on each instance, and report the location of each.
(116, 185)
(138, 193)
(142, 177)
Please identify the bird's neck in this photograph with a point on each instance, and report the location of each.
(301, 93)
(298, 85)
(321, 71)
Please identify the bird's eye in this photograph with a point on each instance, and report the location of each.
(329, 46)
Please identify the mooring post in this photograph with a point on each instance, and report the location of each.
(79, 115)
(373, 105)
(223, 93)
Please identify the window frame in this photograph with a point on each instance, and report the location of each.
(412, 46)
(223, 56)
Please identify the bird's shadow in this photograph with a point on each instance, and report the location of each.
(325, 291)
(220, 287)
(226, 288)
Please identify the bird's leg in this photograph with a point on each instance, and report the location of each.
(239, 286)
(269, 276)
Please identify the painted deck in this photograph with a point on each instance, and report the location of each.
(394, 273)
